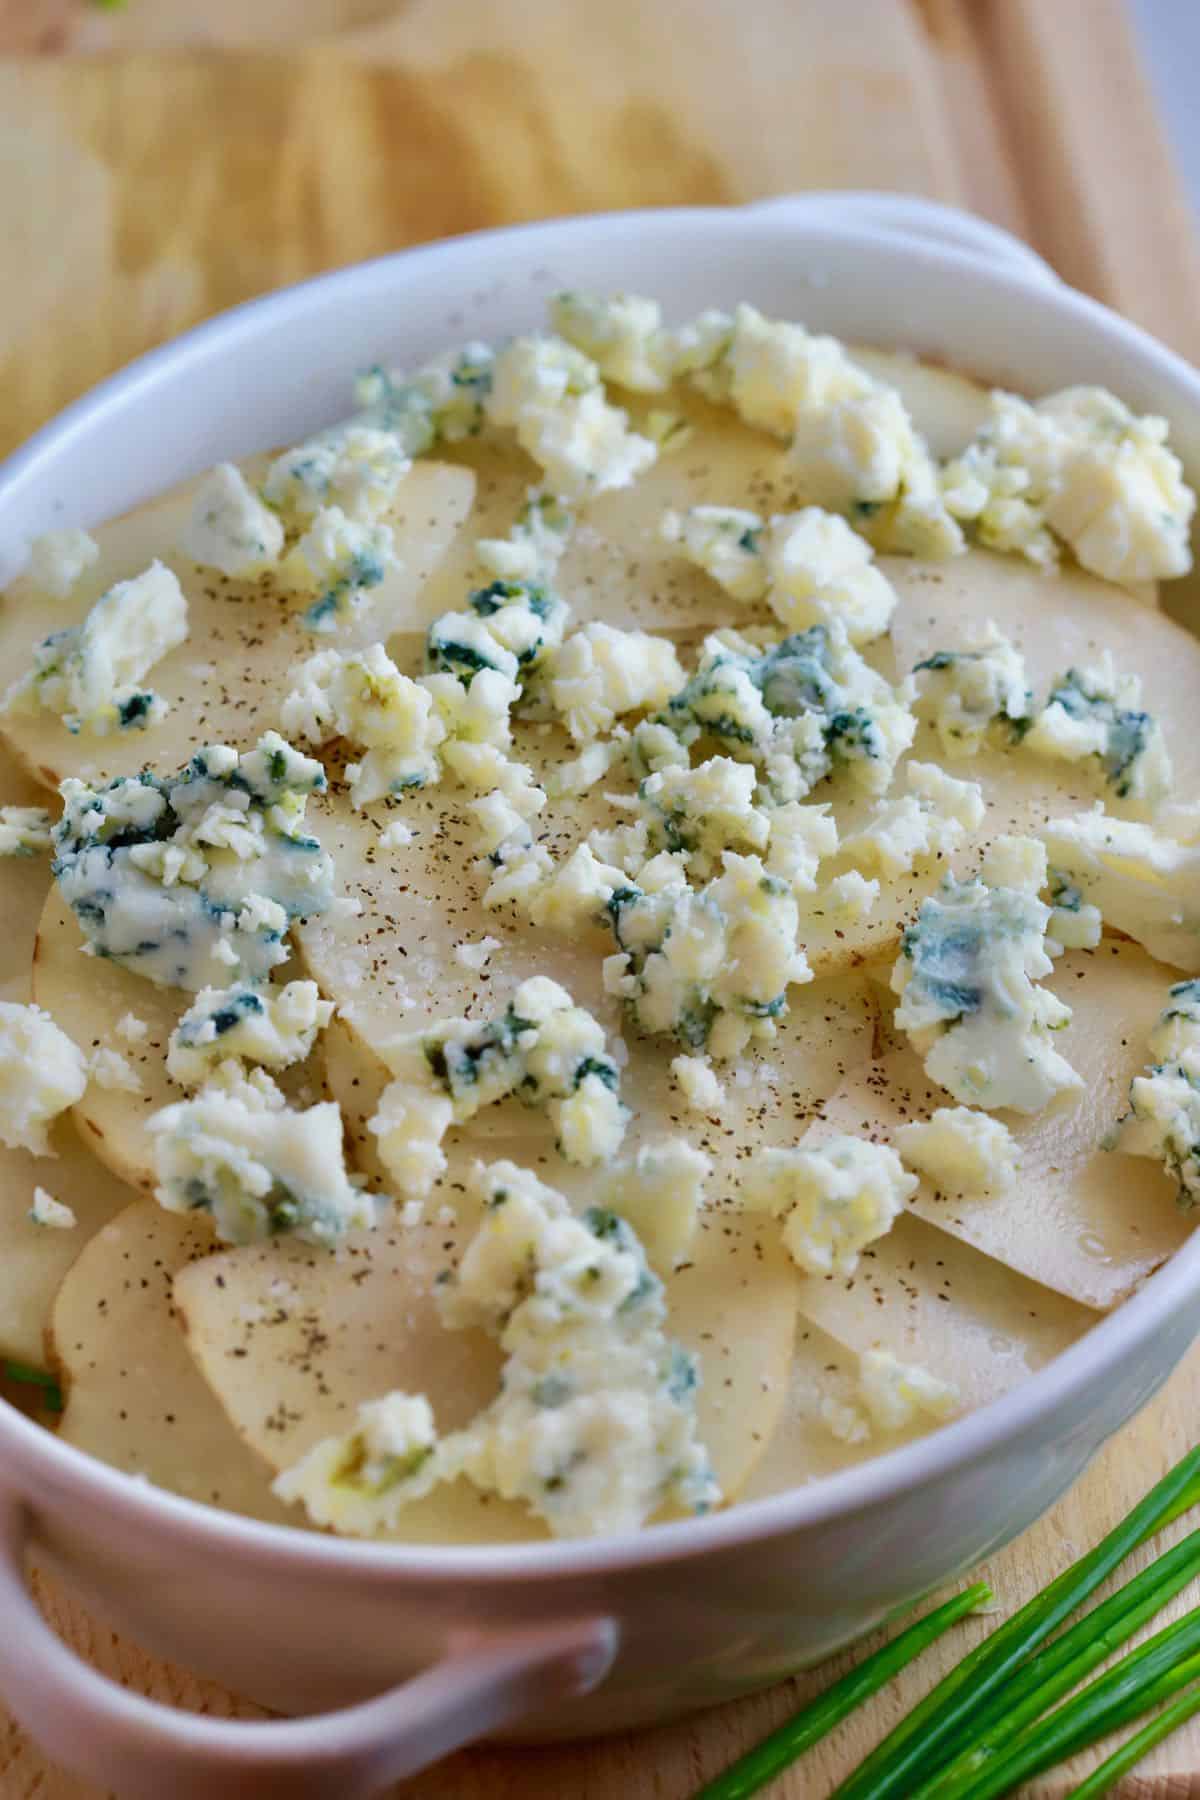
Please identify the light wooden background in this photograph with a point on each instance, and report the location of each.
(160, 163)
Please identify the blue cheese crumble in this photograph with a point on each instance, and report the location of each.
(441, 402)
(359, 1483)
(961, 1151)
(534, 546)
(57, 560)
(361, 696)
(929, 820)
(190, 880)
(340, 559)
(230, 528)
(975, 695)
(833, 1199)
(1093, 712)
(966, 979)
(1141, 880)
(542, 1048)
(259, 1168)
(356, 468)
(42, 1072)
(24, 830)
(273, 1027)
(1074, 924)
(1163, 1121)
(89, 673)
(601, 672)
(510, 628)
(550, 395)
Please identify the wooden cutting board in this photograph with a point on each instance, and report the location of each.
(163, 162)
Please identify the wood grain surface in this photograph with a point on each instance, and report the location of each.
(164, 161)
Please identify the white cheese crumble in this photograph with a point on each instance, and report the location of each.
(896, 1394)
(698, 1083)
(186, 880)
(271, 1026)
(622, 334)
(130, 1029)
(1080, 466)
(1142, 881)
(475, 956)
(57, 559)
(929, 820)
(236, 1150)
(89, 673)
(543, 1048)
(361, 696)
(41, 1073)
(24, 830)
(1093, 712)
(359, 1483)
(109, 1069)
(966, 980)
(703, 811)
(230, 529)
(550, 395)
(659, 1191)
(48, 1211)
(397, 836)
(534, 546)
(834, 1199)
(961, 1151)
(724, 541)
(601, 672)
(973, 694)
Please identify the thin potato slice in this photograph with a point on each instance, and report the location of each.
(226, 681)
(36, 1257)
(1086, 1221)
(87, 996)
(134, 1397)
(24, 883)
(934, 1301)
(292, 1341)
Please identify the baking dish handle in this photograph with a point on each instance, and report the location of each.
(139, 1748)
(913, 217)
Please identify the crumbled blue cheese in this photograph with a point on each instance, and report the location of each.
(1093, 712)
(601, 672)
(237, 1151)
(230, 529)
(188, 880)
(860, 454)
(359, 1483)
(576, 892)
(24, 830)
(1081, 467)
(1143, 882)
(773, 372)
(441, 401)
(820, 572)
(896, 1394)
(550, 395)
(966, 976)
(594, 1425)
(48, 1211)
(1163, 1121)
(534, 547)
(973, 694)
(89, 673)
(798, 709)
(361, 696)
(1074, 925)
(58, 559)
(713, 965)
(724, 541)
(340, 559)
(41, 1073)
(108, 1068)
(271, 1026)
(929, 820)
(510, 629)
(543, 1048)
(834, 1199)
(356, 468)
(704, 811)
(697, 1082)
(623, 335)
(961, 1151)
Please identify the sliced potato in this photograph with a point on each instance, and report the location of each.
(36, 1257)
(1087, 1221)
(226, 681)
(934, 1301)
(134, 1397)
(292, 1341)
(24, 884)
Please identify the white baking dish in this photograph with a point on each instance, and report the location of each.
(561, 1638)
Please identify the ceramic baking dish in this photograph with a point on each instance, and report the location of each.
(390, 1656)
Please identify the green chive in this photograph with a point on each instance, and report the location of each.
(1046, 1677)
(25, 1375)
(813, 1721)
(923, 1742)
(1103, 1779)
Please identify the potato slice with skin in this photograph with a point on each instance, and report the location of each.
(1086, 1221)
(133, 1395)
(934, 1301)
(257, 1318)
(87, 996)
(226, 681)
(36, 1257)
